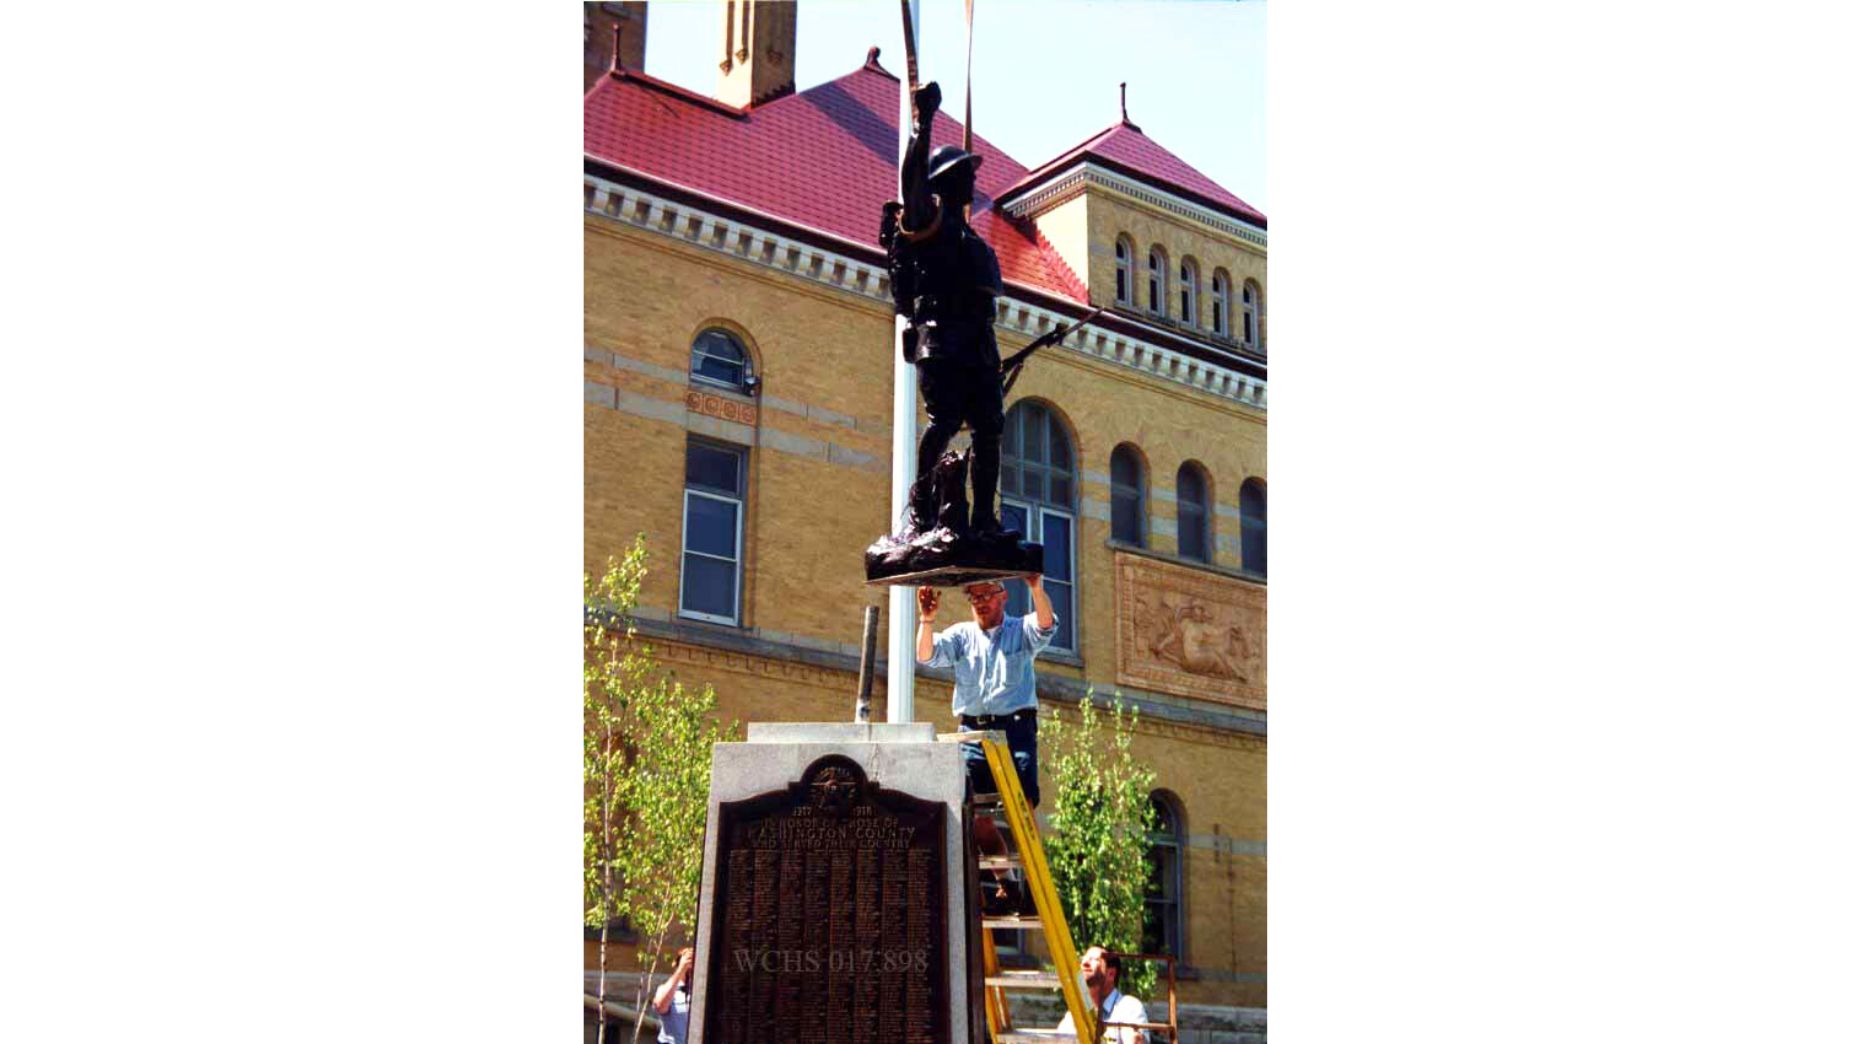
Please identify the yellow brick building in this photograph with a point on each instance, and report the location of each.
(738, 398)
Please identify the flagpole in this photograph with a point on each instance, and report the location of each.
(902, 609)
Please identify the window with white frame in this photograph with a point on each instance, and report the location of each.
(1122, 265)
(712, 531)
(1187, 285)
(1038, 499)
(1219, 297)
(1250, 313)
(1159, 281)
(1192, 534)
(719, 358)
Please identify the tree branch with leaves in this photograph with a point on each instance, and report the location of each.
(1098, 835)
(648, 756)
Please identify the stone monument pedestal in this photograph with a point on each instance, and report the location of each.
(834, 890)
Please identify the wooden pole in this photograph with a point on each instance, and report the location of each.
(870, 634)
(969, 16)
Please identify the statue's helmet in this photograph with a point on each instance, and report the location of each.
(948, 158)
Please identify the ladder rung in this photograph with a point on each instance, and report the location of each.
(1024, 980)
(987, 799)
(1022, 1036)
(1012, 921)
(995, 735)
(1000, 863)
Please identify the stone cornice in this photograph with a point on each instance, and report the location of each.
(1089, 175)
(681, 221)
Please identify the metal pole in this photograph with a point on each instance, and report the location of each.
(902, 612)
(864, 690)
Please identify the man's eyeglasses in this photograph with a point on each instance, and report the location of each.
(985, 596)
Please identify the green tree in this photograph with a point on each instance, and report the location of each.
(1097, 837)
(648, 759)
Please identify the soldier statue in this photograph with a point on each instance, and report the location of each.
(945, 282)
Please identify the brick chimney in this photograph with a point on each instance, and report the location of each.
(760, 58)
(599, 18)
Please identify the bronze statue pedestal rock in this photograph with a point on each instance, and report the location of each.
(953, 552)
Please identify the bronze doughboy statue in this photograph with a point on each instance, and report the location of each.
(946, 281)
(954, 304)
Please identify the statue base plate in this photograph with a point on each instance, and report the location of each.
(950, 576)
(946, 558)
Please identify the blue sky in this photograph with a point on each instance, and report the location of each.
(1046, 72)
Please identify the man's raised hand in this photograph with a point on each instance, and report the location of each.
(928, 604)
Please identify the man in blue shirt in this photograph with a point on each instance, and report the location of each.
(992, 656)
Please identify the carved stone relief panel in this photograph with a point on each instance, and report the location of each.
(1190, 632)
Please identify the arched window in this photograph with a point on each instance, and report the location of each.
(1163, 892)
(1250, 313)
(1038, 499)
(1127, 495)
(1187, 284)
(719, 358)
(1159, 281)
(1219, 293)
(1192, 540)
(1253, 526)
(1122, 262)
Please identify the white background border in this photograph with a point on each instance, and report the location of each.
(291, 404)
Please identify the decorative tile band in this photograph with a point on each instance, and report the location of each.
(679, 221)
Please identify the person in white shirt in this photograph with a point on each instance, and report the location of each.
(1099, 971)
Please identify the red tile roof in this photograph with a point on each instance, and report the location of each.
(1124, 146)
(823, 158)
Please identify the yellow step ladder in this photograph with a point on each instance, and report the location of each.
(1047, 919)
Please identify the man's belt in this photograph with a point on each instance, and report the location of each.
(984, 721)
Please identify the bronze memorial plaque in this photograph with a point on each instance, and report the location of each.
(829, 915)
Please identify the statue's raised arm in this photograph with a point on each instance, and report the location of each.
(915, 193)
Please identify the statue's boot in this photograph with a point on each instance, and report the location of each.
(920, 515)
(948, 477)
